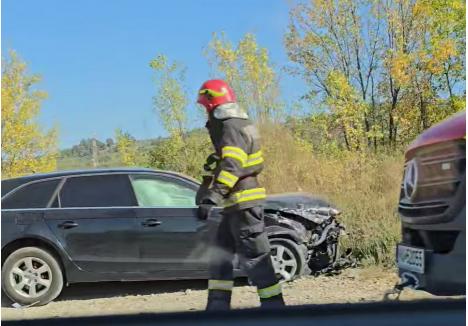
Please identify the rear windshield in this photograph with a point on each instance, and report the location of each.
(35, 195)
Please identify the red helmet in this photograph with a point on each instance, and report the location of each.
(215, 92)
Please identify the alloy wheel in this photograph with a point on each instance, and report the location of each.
(284, 262)
(31, 277)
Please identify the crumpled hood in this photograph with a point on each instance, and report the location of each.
(295, 200)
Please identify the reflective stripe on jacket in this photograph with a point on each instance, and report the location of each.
(237, 143)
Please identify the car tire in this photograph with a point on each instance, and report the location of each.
(6, 302)
(288, 259)
(32, 276)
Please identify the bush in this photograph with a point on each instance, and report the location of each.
(182, 155)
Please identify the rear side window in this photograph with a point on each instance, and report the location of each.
(97, 191)
(35, 195)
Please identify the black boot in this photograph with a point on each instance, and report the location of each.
(274, 302)
(218, 300)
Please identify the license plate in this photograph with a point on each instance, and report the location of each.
(411, 259)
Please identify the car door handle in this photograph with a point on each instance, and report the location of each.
(68, 225)
(151, 222)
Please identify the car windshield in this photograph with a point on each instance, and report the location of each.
(303, 156)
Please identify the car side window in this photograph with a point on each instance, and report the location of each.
(110, 190)
(34, 195)
(154, 191)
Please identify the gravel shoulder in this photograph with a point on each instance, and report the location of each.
(353, 285)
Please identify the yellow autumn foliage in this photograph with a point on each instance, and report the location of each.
(384, 70)
(247, 68)
(26, 148)
(127, 148)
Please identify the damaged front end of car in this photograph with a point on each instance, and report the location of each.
(319, 232)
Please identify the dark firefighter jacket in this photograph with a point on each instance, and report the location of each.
(237, 143)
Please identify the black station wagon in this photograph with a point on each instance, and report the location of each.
(119, 225)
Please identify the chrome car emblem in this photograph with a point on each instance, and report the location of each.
(410, 181)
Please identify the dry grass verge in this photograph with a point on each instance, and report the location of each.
(364, 186)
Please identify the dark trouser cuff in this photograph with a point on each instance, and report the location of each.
(273, 302)
(219, 300)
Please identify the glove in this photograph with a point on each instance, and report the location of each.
(204, 211)
(212, 158)
(210, 200)
(204, 189)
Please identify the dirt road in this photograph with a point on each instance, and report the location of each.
(353, 285)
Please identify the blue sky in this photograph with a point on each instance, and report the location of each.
(93, 55)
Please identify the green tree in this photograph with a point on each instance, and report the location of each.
(26, 148)
(165, 155)
(336, 50)
(171, 99)
(247, 68)
(382, 69)
(127, 148)
(424, 45)
(170, 103)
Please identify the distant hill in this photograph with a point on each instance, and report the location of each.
(80, 156)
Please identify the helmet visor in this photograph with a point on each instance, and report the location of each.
(211, 93)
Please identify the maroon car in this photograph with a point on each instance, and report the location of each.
(431, 255)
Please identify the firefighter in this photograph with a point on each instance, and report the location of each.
(235, 186)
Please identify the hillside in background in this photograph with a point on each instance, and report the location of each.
(91, 153)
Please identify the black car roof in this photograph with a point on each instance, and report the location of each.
(10, 184)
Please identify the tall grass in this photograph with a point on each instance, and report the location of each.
(365, 186)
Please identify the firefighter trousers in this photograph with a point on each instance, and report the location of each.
(242, 232)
